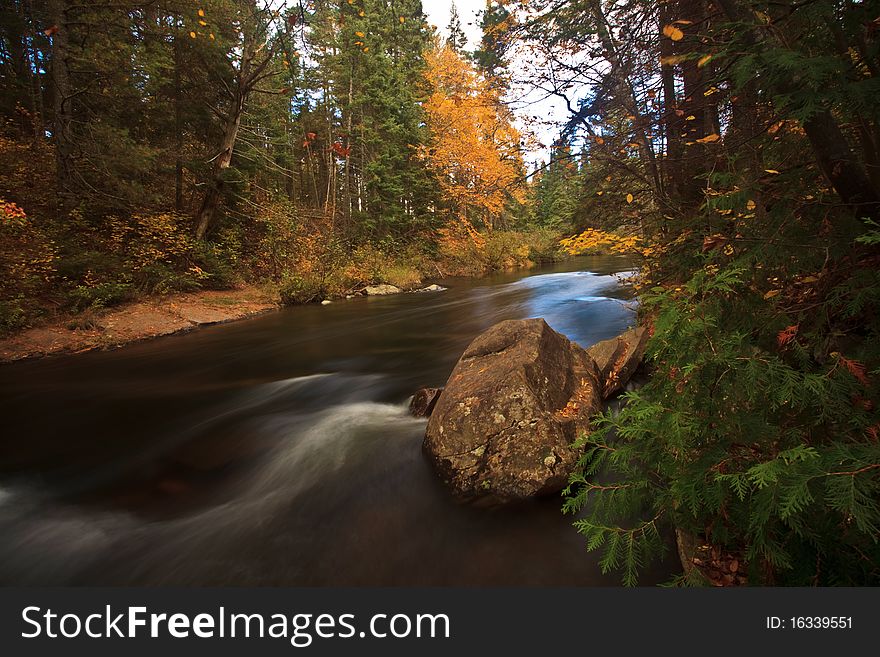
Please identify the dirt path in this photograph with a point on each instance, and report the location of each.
(137, 321)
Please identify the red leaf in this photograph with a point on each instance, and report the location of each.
(786, 335)
(855, 368)
(52, 30)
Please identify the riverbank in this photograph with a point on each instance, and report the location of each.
(136, 320)
(150, 316)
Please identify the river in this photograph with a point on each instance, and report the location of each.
(278, 450)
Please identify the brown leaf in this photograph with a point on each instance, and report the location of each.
(711, 242)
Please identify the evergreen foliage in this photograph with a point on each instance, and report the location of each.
(745, 135)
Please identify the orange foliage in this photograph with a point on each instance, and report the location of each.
(600, 240)
(475, 149)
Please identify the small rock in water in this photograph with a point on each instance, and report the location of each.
(326, 302)
(432, 288)
(423, 401)
(619, 358)
(381, 289)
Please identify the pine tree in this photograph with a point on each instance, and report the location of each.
(456, 38)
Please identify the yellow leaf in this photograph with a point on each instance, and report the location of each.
(771, 294)
(703, 61)
(630, 198)
(361, 13)
(773, 171)
(201, 12)
(360, 34)
(202, 23)
(366, 49)
(402, 19)
(211, 35)
(750, 205)
(691, 118)
(673, 33)
(671, 60)
(599, 193)
(710, 91)
(192, 35)
(708, 139)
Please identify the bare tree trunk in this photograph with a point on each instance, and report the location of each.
(215, 189)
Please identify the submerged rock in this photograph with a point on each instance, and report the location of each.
(619, 358)
(504, 426)
(432, 288)
(381, 289)
(423, 401)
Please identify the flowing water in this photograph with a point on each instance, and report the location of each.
(278, 450)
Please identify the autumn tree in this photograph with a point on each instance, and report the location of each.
(475, 148)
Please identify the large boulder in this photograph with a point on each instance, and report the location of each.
(504, 426)
(619, 358)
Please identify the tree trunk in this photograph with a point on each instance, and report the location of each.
(348, 125)
(221, 164)
(178, 123)
(693, 106)
(673, 117)
(62, 95)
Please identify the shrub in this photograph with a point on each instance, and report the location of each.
(100, 295)
(27, 266)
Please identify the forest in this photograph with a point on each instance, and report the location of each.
(731, 148)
